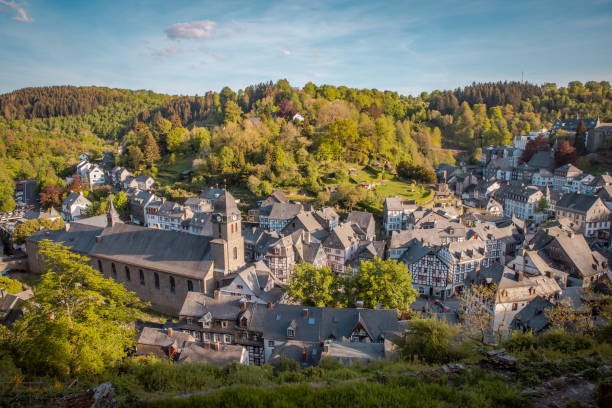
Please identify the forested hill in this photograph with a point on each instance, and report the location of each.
(250, 135)
(45, 102)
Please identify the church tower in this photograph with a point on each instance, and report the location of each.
(227, 246)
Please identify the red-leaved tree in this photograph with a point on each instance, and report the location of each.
(51, 196)
(539, 144)
(286, 109)
(566, 153)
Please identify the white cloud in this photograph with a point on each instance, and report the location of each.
(286, 52)
(194, 29)
(21, 14)
(166, 52)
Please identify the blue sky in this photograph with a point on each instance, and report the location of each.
(189, 47)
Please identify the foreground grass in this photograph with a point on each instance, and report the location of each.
(474, 389)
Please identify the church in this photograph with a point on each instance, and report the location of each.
(160, 266)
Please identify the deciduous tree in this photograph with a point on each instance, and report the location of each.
(382, 282)
(565, 153)
(313, 286)
(78, 323)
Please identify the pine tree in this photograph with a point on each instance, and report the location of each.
(580, 141)
(151, 150)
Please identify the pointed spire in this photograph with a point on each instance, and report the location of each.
(112, 217)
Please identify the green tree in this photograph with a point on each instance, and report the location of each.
(78, 323)
(385, 282)
(10, 285)
(175, 140)
(313, 286)
(120, 202)
(151, 150)
(134, 156)
(226, 157)
(542, 205)
(231, 113)
(431, 340)
(24, 230)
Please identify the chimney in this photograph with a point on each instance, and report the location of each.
(243, 304)
(269, 305)
(217, 294)
(170, 331)
(98, 238)
(304, 313)
(67, 227)
(304, 355)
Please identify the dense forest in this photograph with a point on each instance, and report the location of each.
(249, 137)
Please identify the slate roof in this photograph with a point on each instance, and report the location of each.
(277, 196)
(152, 336)
(393, 204)
(572, 124)
(532, 317)
(415, 252)
(73, 198)
(566, 169)
(586, 261)
(197, 304)
(364, 219)
(211, 193)
(326, 323)
(341, 237)
(226, 204)
(226, 354)
(577, 202)
(80, 238)
(282, 211)
(307, 221)
(542, 160)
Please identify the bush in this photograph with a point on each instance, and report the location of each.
(430, 340)
(604, 333)
(11, 285)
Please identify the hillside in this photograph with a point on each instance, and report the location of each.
(249, 139)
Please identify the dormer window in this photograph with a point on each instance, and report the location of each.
(224, 323)
(290, 332)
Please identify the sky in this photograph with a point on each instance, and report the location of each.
(190, 47)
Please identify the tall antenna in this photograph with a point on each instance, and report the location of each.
(522, 77)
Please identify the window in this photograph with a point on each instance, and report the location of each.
(189, 286)
(514, 306)
(141, 275)
(217, 337)
(290, 332)
(114, 270)
(156, 280)
(100, 265)
(206, 336)
(224, 323)
(128, 276)
(172, 285)
(228, 339)
(270, 343)
(235, 253)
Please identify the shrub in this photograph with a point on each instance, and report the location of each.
(11, 285)
(430, 340)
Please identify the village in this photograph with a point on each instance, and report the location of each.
(537, 233)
